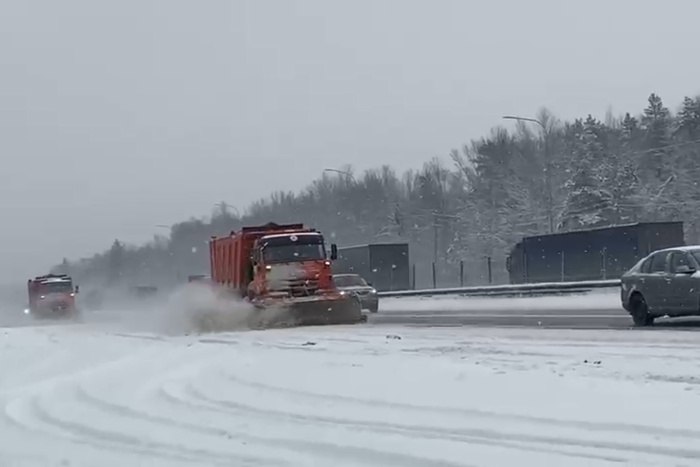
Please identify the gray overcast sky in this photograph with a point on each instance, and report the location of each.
(117, 116)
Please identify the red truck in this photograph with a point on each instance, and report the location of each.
(52, 295)
(283, 266)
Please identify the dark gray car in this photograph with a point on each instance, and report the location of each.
(355, 284)
(665, 283)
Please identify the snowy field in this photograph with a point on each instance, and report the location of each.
(100, 395)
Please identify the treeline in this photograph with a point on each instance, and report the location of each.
(543, 177)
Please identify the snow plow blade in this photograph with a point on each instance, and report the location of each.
(334, 311)
(278, 313)
(344, 310)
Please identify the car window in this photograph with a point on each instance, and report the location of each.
(646, 265)
(658, 263)
(349, 281)
(679, 258)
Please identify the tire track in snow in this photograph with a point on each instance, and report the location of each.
(195, 399)
(29, 414)
(125, 411)
(34, 418)
(652, 432)
(563, 423)
(329, 450)
(33, 415)
(313, 448)
(127, 395)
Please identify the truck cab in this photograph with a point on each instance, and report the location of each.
(52, 295)
(291, 264)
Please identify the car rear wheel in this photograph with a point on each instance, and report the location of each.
(640, 311)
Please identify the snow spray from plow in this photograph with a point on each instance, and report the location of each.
(191, 308)
(203, 308)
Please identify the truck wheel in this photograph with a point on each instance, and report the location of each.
(640, 311)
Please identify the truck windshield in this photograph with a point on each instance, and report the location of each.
(56, 287)
(293, 248)
(292, 253)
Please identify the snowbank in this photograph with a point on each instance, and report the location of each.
(600, 300)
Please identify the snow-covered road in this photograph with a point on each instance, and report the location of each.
(359, 395)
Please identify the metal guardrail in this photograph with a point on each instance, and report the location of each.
(543, 288)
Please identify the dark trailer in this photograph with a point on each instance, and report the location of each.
(602, 253)
(384, 265)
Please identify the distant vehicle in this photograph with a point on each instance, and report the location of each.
(198, 278)
(386, 265)
(664, 283)
(143, 291)
(355, 284)
(600, 253)
(52, 296)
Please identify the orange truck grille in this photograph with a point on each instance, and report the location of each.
(298, 287)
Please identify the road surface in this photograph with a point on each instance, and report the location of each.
(591, 311)
(586, 319)
(600, 310)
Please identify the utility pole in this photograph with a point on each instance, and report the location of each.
(547, 166)
(435, 238)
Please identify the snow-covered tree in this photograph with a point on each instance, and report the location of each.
(688, 121)
(657, 125)
(588, 203)
(115, 261)
(640, 167)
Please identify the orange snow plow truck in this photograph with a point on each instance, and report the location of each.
(52, 296)
(284, 268)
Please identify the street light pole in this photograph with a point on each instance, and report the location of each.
(342, 172)
(349, 175)
(547, 166)
(525, 119)
(224, 207)
(435, 237)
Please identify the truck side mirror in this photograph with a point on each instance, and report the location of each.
(77, 289)
(334, 251)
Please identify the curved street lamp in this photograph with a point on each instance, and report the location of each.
(547, 162)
